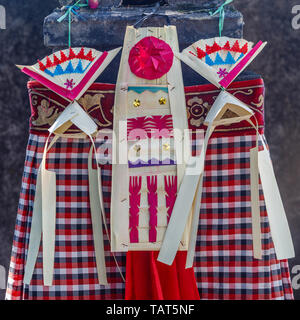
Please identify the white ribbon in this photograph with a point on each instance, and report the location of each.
(184, 202)
(280, 230)
(44, 209)
(36, 222)
(191, 190)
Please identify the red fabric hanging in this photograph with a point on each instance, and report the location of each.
(148, 279)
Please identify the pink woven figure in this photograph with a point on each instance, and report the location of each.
(171, 192)
(152, 201)
(150, 127)
(135, 184)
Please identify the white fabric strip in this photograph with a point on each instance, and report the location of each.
(44, 210)
(178, 106)
(194, 228)
(255, 203)
(181, 211)
(48, 180)
(35, 233)
(197, 202)
(36, 222)
(193, 190)
(120, 179)
(96, 219)
(280, 231)
(255, 207)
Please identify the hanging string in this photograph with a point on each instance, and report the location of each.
(221, 12)
(72, 10)
(154, 12)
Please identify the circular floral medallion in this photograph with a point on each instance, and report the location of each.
(150, 58)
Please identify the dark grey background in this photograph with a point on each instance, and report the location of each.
(22, 42)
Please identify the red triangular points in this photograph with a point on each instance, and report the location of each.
(48, 63)
(212, 49)
(227, 46)
(200, 53)
(41, 65)
(58, 88)
(63, 57)
(89, 56)
(56, 61)
(244, 50)
(81, 55)
(216, 47)
(236, 47)
(71, 54)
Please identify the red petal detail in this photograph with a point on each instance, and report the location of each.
(227, 46)
(63, 57)
(71, 54)
(214, 48)
(41, 65)
(49, 63)
(200, 53)
(56, 61)
(80, 55)
(89, 56)
(244, 50)
(236, 47)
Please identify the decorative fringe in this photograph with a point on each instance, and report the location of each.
(153, 202)
(135, 185)
(171, 192)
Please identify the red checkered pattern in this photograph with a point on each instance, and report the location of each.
(75, 274)
(224, 264)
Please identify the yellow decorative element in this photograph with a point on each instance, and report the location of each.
(162, 101)
(46, 115)
(136, 103)
(197, 111)
(197, 122)
(166, 146)
(91, 103)
(137, 148)
(260, 101)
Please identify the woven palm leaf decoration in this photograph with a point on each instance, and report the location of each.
(70, 72)
(220, 60)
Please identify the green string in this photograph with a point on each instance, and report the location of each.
(221, 12)
(72, 10)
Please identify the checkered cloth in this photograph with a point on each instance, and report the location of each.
(224, 263)
(225, 267)
(75, 274)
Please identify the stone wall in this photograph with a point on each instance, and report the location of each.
(22, 43)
